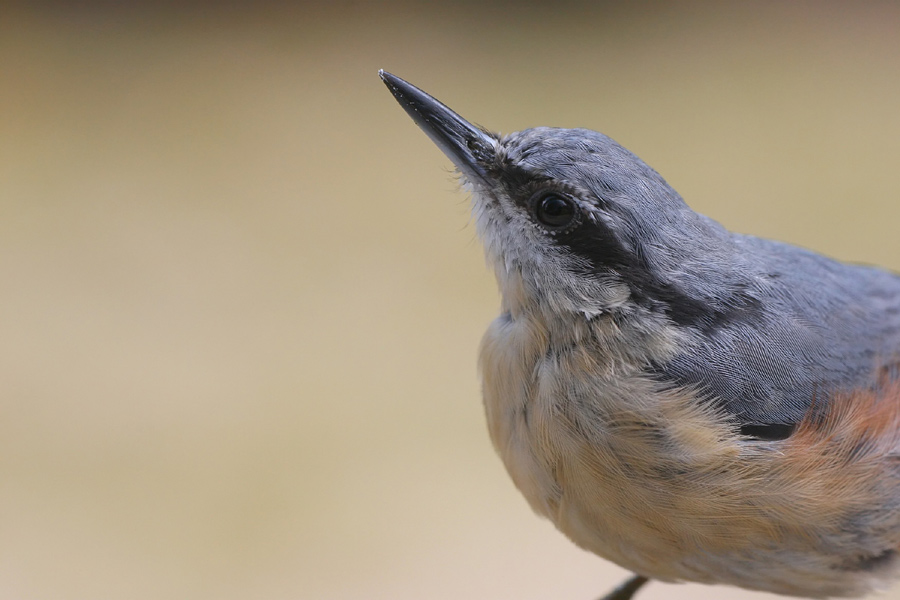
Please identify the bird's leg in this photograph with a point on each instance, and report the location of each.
(627, 589)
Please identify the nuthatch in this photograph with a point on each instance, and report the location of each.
(690, 403)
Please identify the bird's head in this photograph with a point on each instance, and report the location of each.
(576, 225)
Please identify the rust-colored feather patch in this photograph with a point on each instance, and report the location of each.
(838, 466)
(868, 417)
(854, 429)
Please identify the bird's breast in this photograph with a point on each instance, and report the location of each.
(659, 481)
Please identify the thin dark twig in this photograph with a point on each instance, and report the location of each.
(627, 589)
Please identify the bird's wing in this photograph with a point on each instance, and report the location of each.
(825, 328)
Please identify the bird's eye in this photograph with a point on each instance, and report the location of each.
(555, 211)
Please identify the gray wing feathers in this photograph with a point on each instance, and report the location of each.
(825, 327)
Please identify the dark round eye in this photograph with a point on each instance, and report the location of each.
(555, 211)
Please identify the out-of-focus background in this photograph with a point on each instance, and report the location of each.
(241, 296)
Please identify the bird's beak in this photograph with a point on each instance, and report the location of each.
(470, 148)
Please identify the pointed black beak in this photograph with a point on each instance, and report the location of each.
(470, 148)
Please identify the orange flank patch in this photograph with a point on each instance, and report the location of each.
(838, 465)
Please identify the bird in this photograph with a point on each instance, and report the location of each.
(690, 403)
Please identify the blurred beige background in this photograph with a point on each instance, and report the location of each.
(241, 297)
